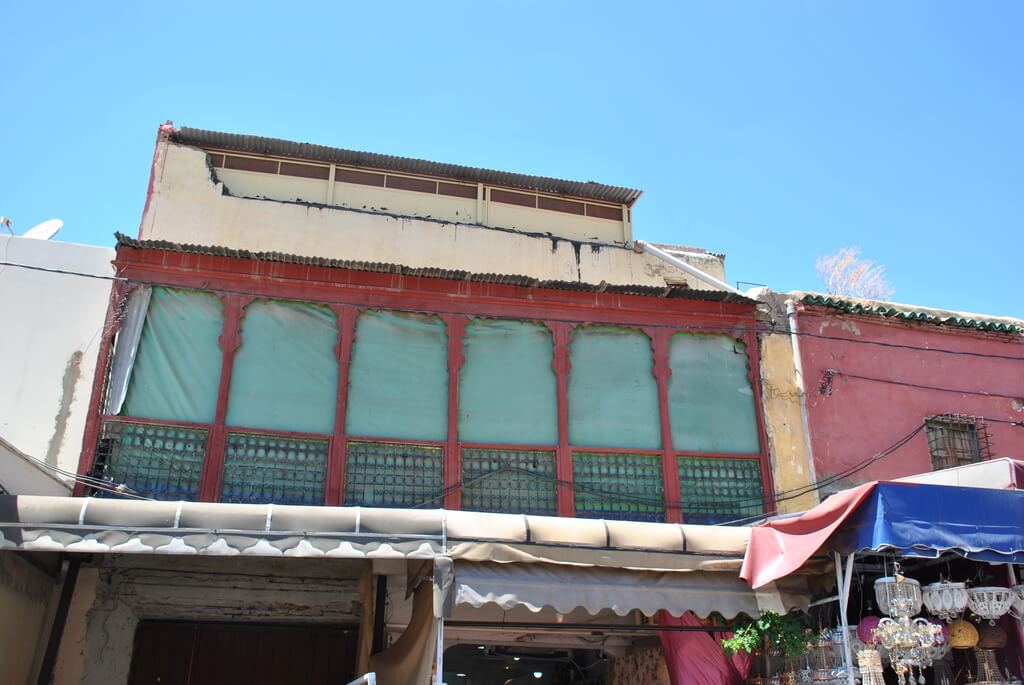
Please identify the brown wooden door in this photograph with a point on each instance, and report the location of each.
(179, 653)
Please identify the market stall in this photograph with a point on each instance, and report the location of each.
(908, 522)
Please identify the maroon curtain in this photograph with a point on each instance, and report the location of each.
(696, 658)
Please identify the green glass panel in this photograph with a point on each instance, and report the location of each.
(613, 397)
(286, 373)
(177, 370)
(618, 486)
(509, 481)
(711, 403)
(161, 462)
(389, 474)
(398, 379)
(507, 392)
(720, 490)
(272, 469)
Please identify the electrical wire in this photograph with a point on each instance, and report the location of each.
(959, 391)
(769, 327)
(96, 483)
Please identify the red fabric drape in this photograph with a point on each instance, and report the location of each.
(779, 548)
(696, 658)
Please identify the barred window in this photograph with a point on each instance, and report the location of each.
(955, 440)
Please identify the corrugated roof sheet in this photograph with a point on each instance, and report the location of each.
(432, 272)
(911, 313)
(308, 151)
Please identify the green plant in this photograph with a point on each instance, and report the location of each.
(784, 632)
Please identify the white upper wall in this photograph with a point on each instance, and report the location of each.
(194, 202)
(52, 326)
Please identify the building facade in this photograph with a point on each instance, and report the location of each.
(367, 362)
(889, 391)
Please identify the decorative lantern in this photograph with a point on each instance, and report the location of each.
(870, 663)
(962, 635)
(945, 600)
(991, 637)
(1018, 597)
(988, 667)
(898, 596)
(865, 629)
(990, 602)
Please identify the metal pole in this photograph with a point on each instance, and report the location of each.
(439, 676)
(60, 617)
(843, 581)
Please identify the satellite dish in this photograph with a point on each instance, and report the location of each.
(45, 230)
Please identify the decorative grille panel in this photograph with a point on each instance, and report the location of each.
(388, 474)
(618, 486)
(509, 481)
(271, 469)
(162, 462)
(720, 490)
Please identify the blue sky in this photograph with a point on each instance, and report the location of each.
(774, 132)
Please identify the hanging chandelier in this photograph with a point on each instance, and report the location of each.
(911, 643)
(946, 600)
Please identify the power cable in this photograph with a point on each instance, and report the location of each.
(835, 372)
(769, 328)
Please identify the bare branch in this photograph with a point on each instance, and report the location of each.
(846, 274)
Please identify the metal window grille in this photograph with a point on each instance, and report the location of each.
(388, 474)
(618, 486)
(158, 461)
(510, 481)
(717, 490)
(265, 469)
(954, 440)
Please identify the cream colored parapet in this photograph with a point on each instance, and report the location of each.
(188, 203)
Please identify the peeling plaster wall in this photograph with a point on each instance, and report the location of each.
(52, 324)
(187, 205)
(780, 397)
(25, 595)
(97, 648)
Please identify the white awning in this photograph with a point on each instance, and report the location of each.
(98, 525)
(564, 589)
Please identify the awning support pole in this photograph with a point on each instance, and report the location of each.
(844, 580)
(439, 675)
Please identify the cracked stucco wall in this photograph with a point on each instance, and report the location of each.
(189, 205)
(110, 601)
(51, 336)
(780, 395)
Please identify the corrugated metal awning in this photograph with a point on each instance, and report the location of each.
(101, 525)
(285, 148)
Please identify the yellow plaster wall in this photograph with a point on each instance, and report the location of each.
(189, 206)
(25, 594)
(790, 457)
(71, 656)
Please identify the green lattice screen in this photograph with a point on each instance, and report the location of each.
(509, 481)
(162, 462)
(720, 490)
(618, 486)
(264, 469)
(388, 474)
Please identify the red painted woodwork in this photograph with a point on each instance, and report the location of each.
(857, 418)
(419, 293)
(230, 339)
(348, 292)
(565, 499)
(669, 469)
(754, 374)
(452, 471)
(335, 490)
(91, 436)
